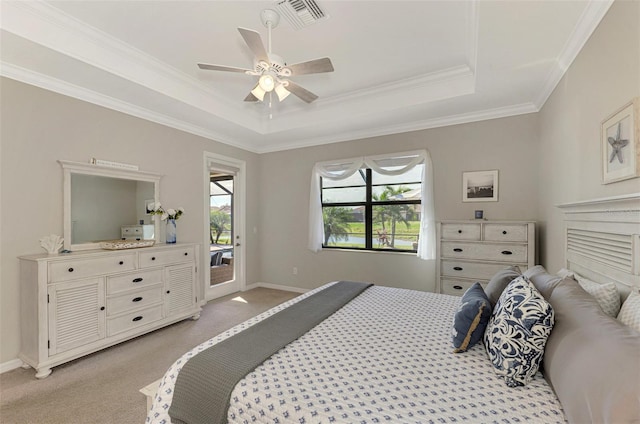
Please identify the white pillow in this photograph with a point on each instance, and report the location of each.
(606, 294)
(630, 311)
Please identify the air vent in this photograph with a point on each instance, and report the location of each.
(300, 13)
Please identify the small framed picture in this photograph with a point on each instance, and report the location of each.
(620, 138)
(480, 186)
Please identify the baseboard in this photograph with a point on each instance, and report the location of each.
(10, 365)
(276, 287)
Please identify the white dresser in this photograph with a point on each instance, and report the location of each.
(470, 251)
(75, 304)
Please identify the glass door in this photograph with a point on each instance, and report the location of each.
(221, 234)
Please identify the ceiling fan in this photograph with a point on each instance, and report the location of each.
(271, 68)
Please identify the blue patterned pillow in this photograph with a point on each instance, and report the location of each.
(471, 319)
(517, 332)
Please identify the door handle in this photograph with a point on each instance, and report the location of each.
(237, 244)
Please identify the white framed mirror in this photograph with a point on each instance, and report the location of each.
(99, 201)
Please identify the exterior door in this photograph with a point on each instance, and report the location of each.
(223, 260)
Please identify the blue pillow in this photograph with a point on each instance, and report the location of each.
(471, 319)
(517, 332)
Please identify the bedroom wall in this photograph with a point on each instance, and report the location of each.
(38, 127)
(507, 144)
(604, 76)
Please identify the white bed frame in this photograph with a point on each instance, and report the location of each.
(602, 240)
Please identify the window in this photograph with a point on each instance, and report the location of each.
(374, 203)
(373, 211)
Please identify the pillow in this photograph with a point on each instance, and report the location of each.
(542, 280)
(591, 360)
(606, 294)
(630, 311)
(499, 282)
(518, 331)
(471, 319)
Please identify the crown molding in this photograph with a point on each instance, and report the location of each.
(502, 112)
(591, 17)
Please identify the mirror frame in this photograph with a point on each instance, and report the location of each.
(103, 171)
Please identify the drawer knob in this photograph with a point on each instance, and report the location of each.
(121, 263)
(102, 308)
(457, 268)
(186, 253)
(137, 280)
(457, 249)
(507, 252)
(456, 287)
(153, 258)
(168, 291)
(70, 269)
(504, 232)
(138, 318)
(136, 299)
(459, 231)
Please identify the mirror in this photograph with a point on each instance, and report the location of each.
(99, 201)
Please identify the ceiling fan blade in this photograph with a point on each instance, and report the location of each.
(254, 41)
(251, 98)
(303, 93)
(315, 66)
(222, 68)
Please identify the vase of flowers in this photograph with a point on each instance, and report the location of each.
(171, 216)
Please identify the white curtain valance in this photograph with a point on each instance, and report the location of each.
(384, 164)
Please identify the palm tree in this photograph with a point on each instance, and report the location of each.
(395, 213)
(218, 221)
(336, 223)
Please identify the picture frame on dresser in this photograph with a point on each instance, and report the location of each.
(620, 143)
(480, 186)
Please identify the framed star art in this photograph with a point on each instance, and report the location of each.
(621, 144)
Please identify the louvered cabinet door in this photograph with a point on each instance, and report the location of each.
(76, 314)
(180, 290)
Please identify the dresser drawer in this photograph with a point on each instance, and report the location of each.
(166, 257)
(458, 287)
(133, 280)
(485, 251)
(133, 320)
(505, 232)
(471, 270)
(462, 231)
(80, 268)
(134, 300)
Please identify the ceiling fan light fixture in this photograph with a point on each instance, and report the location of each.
(267, 82)
(282, 92)
(258, 92)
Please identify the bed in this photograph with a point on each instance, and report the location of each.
(386, 355)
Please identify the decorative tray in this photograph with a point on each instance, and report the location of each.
(125, 244)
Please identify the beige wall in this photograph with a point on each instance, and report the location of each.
(508, 145)
(39, 127)
(604, 77)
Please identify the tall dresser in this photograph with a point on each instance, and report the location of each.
(470, 251)
(75, 304)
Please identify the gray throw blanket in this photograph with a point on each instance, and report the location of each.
(205, 383)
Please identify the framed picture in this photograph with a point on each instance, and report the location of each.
(620, 138)
(480, 186)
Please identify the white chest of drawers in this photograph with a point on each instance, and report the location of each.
(470, 251)
(78, 303)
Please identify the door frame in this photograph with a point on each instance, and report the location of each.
(223, 163)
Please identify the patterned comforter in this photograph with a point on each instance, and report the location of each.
(384, 357)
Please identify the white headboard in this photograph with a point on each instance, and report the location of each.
(602, 239)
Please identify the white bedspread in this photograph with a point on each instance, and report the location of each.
(384, 357)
